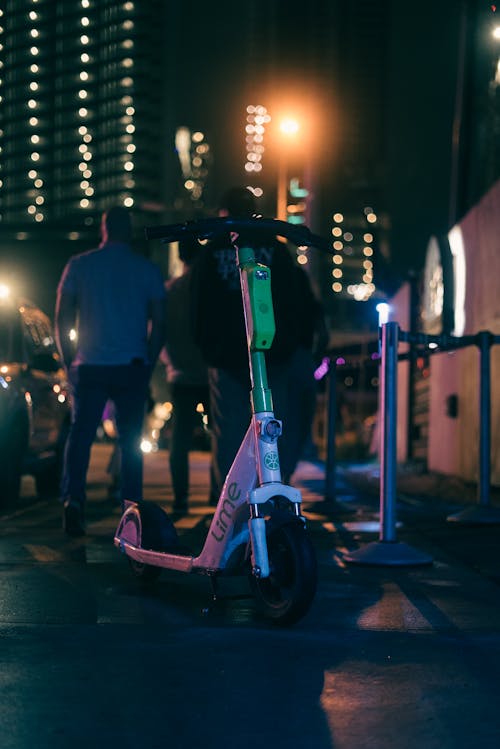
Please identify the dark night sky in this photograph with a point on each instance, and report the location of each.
(416, 99)
(304, 53)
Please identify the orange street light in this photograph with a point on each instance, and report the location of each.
(289, 127)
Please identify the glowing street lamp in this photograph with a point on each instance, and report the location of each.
(289, 127)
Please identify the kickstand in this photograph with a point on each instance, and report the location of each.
(214, 595)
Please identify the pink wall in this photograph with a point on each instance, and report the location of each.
(453, 443)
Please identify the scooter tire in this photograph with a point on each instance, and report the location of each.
(157, 533)
(286, 595)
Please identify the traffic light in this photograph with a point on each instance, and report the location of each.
(296, 208)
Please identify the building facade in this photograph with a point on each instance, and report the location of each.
(82, 109)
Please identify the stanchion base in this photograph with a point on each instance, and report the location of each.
(478, 515)
(386, 554)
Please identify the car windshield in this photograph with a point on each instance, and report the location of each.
(10, 337)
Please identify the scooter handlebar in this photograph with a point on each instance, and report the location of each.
(208, 228)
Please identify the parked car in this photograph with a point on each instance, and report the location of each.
(34, 399)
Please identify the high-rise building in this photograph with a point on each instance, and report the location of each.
(82, 109)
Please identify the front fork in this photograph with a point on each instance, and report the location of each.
(267, 429)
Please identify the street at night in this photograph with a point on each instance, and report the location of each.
(402, 657)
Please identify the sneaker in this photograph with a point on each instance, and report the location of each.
(72, 519)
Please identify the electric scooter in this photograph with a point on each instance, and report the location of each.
(257, 527)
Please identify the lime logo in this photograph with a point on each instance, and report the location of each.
(271, 461)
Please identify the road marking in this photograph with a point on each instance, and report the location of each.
(44, 554)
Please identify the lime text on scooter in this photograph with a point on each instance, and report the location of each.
(233, 495)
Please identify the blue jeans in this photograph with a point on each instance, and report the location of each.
(92, 386)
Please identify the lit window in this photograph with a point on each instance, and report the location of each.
(32, 104)
(338, 217)
(83, 112)
(34, 51)
(35, 156)
(84, 203)
(128, 166)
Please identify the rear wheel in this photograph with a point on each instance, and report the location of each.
(150, 528)
(286, 595)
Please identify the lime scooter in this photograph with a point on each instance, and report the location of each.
(257, 527)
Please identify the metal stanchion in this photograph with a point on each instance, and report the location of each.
(330, 503)
(483, 512)
(387, 551)
(331, 430)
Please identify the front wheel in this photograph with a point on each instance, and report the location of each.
(286, 595)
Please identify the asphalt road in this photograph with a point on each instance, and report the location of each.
(388, 657)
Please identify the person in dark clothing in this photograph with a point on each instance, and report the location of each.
(312, 336)
(186, 374)
(219, 331)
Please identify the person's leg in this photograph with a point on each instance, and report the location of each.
(230, 415)
(184, 418)
(88, 401)
(128, 390)
(278, 377)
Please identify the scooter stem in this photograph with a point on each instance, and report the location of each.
(260, 327)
